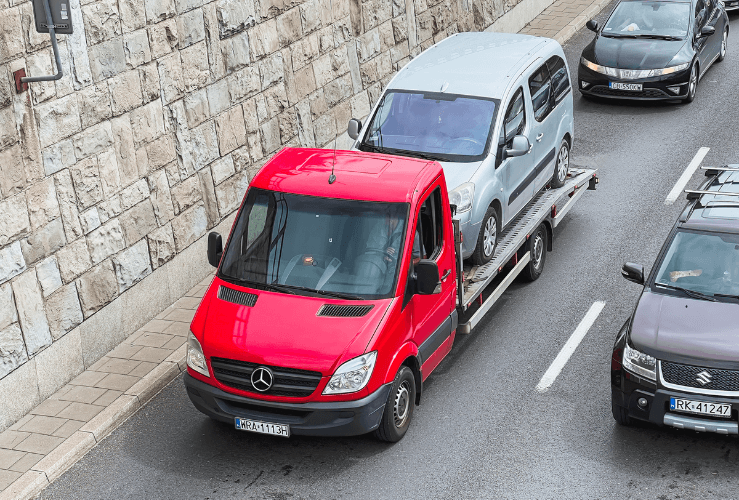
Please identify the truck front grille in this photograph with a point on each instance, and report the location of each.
(688, 376)
(288, 382)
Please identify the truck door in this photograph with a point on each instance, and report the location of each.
(430, 314)
(513, 171)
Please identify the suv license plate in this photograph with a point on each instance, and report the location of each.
(636, 87)
(701, 407)
(244, 424)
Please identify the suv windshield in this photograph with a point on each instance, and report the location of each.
(431, 125)
(669, 19)
(309, 245)
(707, 263)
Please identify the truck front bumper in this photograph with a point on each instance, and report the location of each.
(344, 418)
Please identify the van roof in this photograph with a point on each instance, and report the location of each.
(359, 175)
(476, 64)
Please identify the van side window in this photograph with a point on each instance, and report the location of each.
(560, 78)
(428, 240)
(514, 122)
(540, 87)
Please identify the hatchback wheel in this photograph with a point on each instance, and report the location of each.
(488, 238)
(722, 54)
(692, 84)
(399, 407)
(562, 165)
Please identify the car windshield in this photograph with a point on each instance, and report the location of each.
(316, 246)
(702, 262)
(434, 125)
(668, 19)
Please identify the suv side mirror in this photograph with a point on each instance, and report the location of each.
(707, 31)
(354, 127)
(427, 277)
(519, 147)
(592, 26)
(633, 272)
(215, 249)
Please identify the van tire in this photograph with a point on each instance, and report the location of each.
(538, 249)
(620, 415)
(490, 228)
(561, 165)
(398, 408)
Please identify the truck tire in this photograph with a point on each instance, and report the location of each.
(561, 165)
(487, 240)
(620, 415)
(538, 249)
(399, 407)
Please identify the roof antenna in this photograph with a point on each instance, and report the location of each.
(332, 177)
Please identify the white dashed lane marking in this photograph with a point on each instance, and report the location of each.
(683, 180)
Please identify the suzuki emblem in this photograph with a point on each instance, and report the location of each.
(703, 377)
(262, 378)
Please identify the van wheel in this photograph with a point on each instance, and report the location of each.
(562, 165)
(538, 249)
(620, 415)
(399, 407)
(488, 238)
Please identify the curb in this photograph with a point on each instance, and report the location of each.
(574, 26)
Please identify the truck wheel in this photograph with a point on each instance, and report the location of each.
(399, 407)
(538, 249)
(561, 165)
(620, 415)
(487, 239)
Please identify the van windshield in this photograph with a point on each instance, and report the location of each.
(316, 246)
(432, 125)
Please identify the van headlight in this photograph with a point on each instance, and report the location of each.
(639, 363)
(195, 356)
(353, 375)
(462, 197)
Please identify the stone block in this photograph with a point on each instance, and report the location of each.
(14, 221)
(305, 82)
(159, 10)
(288, 123)
(147, 122)
(217, 98)
(369, 45)
(263, 39)
(136, 48)
(12, 262)
(189, 226)
(330, 66)
(272, 8)
(9, 133)
(125, 92)
(24, 381)
(138, 221)
(342, 31)
(310, 17)
(234, 16)
(161, 245)
(40, 64)
(186, 5)
(163, 38)
(109, 208)
(305, 124)
(12, 350)
(191, 28)
(63, 311)
(109, 172)
(43, 242)
(57, 119)
(209, 197)
(231, 130)
(338, 90)
(170, 77)
(11, 41)
(73, 260)
(8, 312)
(107, 59)
(124, 148)
(195, 69)
(68, 204)
(5, 90)
(105, 241)
(304, 51)
(132, 265)
(90, 220)
(241, 159)
(77, 45)
(212, 36)
(12, 173)
(235, 52)
(93, 140)
(58, 157)
(270, 136)
(325, 129)
(222, 169)
(250, 115)
(59, 364)
(160, 152)
(31, 315)
(42, 203)
(102, 21)
(326, 39)
(254, 141)
(134, 194)
(97, 288)
(87, 185)
(271, 70)
(186, 194)
(132, 14)
(243, 84)
(161, 198)
(230, 193)
(149, 76)
(94, 104)
(47, 272)
(204, 143)
(197, 109)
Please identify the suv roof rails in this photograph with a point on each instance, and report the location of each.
(714, 171)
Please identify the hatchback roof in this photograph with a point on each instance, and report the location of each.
(476, 64)
(716, 212)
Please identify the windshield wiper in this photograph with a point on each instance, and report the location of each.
(690, 293)
(726, 295)
(293, 288)
(657, 37)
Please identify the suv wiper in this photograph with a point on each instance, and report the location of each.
(690, 293)
(293, 288)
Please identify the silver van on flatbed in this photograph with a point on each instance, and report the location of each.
(495, 110)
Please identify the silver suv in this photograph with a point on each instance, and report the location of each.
(495, 110)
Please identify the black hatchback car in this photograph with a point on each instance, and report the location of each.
(654, 49)
(676, 360)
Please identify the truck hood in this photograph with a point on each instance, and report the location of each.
(459, 173)
(284, 330)
(687, 330)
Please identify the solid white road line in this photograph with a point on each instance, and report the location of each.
(683, 180)
(564, 355)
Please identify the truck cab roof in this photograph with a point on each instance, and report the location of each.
(715, 212)
(359, 176)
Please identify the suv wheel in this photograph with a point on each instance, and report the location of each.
(487, 239)
(561, 165)
(399, 407)
(620, 415)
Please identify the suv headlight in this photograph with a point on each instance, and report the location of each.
(353, 375)
(639, 363)
(462, 197)
(195, 356)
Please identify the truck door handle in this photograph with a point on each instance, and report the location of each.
(538, 137)
(446, 274)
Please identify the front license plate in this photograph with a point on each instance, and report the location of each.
(244, 424)
(636, 87)
(700, 407)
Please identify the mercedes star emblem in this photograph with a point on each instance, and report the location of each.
(703, 377)
(262, 378)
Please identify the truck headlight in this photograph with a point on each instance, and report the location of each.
(639, 363)
(353, 375)
(195, 356)
(462, 197)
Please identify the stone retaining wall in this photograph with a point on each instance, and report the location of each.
(111, 176)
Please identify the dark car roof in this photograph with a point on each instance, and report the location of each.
(715, 212)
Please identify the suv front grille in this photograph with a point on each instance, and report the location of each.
(288, 382)
(687, 376)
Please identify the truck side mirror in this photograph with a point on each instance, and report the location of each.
(592, 26)
(215, 249)
(633, 272)
(427, 278)
(354, 127)
(520, 146)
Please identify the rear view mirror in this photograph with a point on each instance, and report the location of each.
(592, 26)
(427, 277)
(707, 31)
(215, 249)
(354, 127)
(520, 146)
(633, 272)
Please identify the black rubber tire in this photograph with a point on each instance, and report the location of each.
(724, 49)
(691, 94)
(388, 431)
(620, 415)
(537, 245)
(479, 257)
(564, 149)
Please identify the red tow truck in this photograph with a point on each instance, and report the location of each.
(341, 289)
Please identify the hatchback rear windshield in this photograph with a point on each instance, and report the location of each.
(434, 125)
(308, 245)
(670, 19)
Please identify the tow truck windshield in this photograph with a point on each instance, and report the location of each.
(312, 246)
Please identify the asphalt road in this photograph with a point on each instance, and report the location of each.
(482, 430)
